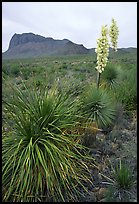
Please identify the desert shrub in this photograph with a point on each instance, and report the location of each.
(15, 70)
(73, 86)
(64, 65)
(42, 159)
(97, 106)
(26, 72)
(39, 81)
(126, 91)
(127, 95)
(11, 69)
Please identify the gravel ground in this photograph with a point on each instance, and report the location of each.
(119, 143)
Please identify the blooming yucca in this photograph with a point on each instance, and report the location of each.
(114, 32)
(102, 49)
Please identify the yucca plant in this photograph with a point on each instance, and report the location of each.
(109, 77)
(122, 175)
(97, 106)
(41, 158)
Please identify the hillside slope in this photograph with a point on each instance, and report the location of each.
(30, 45)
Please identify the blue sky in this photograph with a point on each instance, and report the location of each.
(79, 22)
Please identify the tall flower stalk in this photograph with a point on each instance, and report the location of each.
(102, 51)
(114, 32)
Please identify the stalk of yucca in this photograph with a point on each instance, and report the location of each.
(97, 106)
(114, 32)
(102, 51)
(103, 45)
(40, 159)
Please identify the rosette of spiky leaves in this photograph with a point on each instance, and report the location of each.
(41, 160)
(102, 49)
(114, 32)
(109, 77)
(97, 106)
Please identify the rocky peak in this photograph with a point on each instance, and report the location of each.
(19, 39)
(27, 45)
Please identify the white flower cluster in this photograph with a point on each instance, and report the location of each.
(102, 49)
(114, 32)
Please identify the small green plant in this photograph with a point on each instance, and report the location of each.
(41, 156)
(122, 175)
(120, 184)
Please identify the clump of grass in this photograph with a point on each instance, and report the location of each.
(123, 175)
(41, 156)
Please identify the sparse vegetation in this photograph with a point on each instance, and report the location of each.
(122, 182)
(43, 156)
(123, 175)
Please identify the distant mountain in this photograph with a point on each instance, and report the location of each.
(29, 45)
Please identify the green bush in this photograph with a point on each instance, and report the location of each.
(64, 65)
(15, 70)
(126, 91)
(26, 73)
(42, 158)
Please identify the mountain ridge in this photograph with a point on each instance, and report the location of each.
(28, 45)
